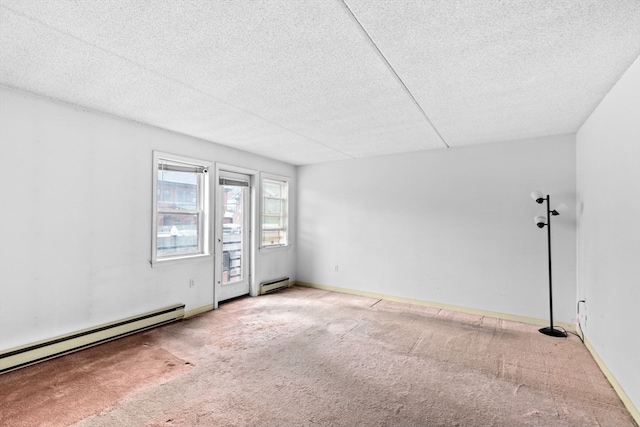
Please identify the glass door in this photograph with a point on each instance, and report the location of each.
(233, 241)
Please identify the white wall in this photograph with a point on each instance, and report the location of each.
(608, 186)
(452, 226)
(75, 220)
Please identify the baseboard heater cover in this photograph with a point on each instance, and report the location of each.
(274, 285)
(43, 350)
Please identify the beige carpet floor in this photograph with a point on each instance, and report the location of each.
(306, 357)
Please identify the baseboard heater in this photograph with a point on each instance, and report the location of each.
(43, 350)
(274, 285)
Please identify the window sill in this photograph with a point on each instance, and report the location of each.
(274, 248)
(179, 259)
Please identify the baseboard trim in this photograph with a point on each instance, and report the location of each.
(29, 354)
(626, 400)
(198, 310)
(468, 310)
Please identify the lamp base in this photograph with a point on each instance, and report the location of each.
(552, 332)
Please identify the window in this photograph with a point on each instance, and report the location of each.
(274, 212)
(181, 207)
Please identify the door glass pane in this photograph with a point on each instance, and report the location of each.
(232, 233)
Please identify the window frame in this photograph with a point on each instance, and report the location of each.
(202, 210)
(265, 178)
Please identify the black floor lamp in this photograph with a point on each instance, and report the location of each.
(541, 221)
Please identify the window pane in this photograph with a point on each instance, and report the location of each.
(180, 226)
(272, 189)
(177, 190)
(271, 221)
(274, 212)
(177, 234)
(272, 206)
(273, 237)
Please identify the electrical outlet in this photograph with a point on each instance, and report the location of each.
(336, 268)
(192, 283)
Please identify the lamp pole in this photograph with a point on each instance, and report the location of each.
(550, 330)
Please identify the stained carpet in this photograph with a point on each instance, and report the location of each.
(305, 357)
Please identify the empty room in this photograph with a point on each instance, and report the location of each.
(323, 212)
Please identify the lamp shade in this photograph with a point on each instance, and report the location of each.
(540, 221)
(562, 208)
(537, 196)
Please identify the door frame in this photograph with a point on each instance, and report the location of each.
(217, 228)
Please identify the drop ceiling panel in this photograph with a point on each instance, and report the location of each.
(487, 71)
(306, 82)
(115, 85)
(307, 72)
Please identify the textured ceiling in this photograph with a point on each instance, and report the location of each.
(313, 81)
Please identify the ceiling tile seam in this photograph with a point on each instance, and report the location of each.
(208, 95)
(393, 71)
